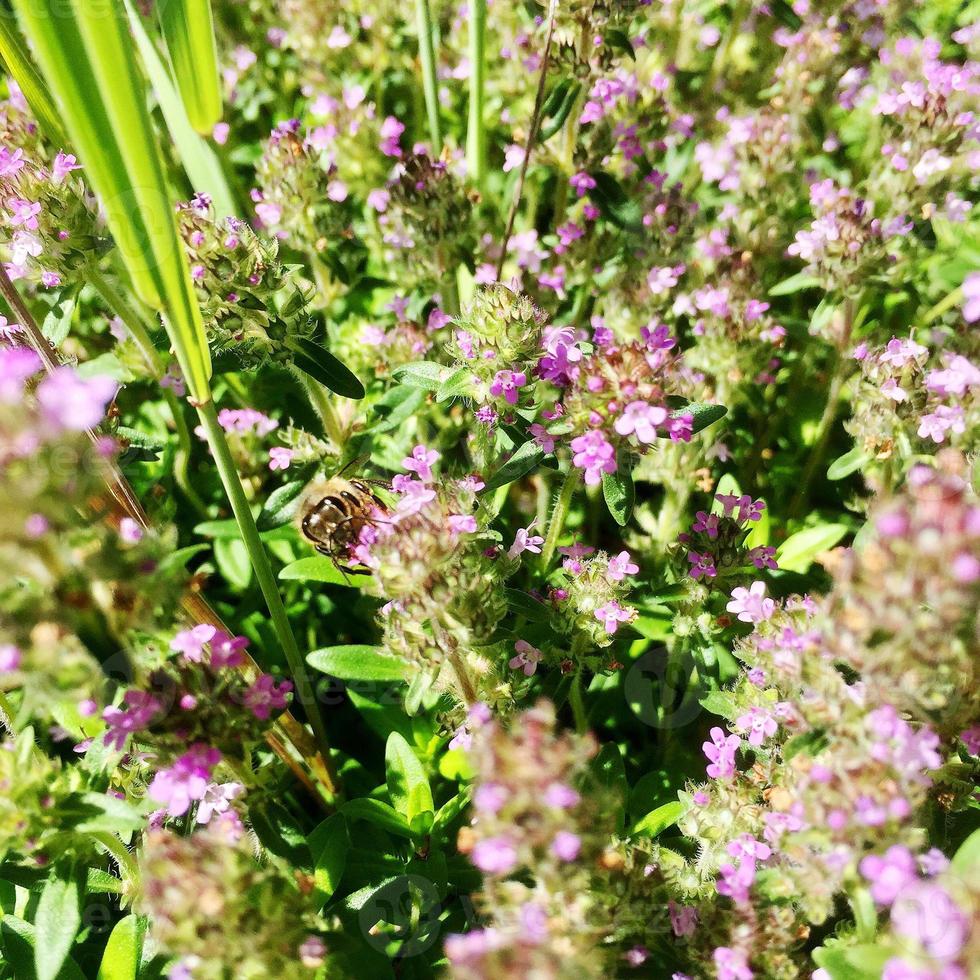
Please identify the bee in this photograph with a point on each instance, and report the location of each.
(336, 511)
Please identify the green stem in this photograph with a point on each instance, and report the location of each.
(577, 701)
(558, 515)
(476, 134)
(132, 321)
(120, 854)
(263, 570)
(321, 401)
(427, 56)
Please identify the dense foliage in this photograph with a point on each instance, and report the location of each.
(489, 490)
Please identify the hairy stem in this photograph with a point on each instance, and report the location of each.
(559, 513)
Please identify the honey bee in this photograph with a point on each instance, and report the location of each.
(335, 512)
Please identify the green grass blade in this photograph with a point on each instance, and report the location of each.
(86, 55)
(188, 30)
(199, 159)
(20, 67)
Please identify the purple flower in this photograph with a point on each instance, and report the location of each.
(495, 855)
(702, 566)
(391, 131)
(141, 709)
(956, 378)
(566, 846)
(227, 651)
(561, 797)
(759, 724)
(708, 523)
(186, 780)
(581, 183)
(266, 696)
(683, 918)
(763, 557)
(461, 524)
(720, 752)
(71, 402)
(926, 913)
(508, 383)
(731, 964)
(490, 797)
(542, 437)
(945, 418)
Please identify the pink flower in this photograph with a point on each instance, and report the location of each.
(759, 724)
(620, 566)
(130, 531)
(527, 658)
(595, 455)
(945, 418)
(956, 378)
(731, 964)
(186, 780)
(71, 402)
(641, 418)
(926, 914)
(566, 846)
(494, 855)
(246, 420)
(893, 390)
(720, 752)
(23, 213)
(542, 437)
(414, 496)
(889, 873)
(191, 642)
(507, 383)
(64, 164)
(525, 541)
(751, 604)
(141, 709)
(462, 524)
(280, 458)
(227, 651)
(10, 657)
(581, 183)
(612, 614)
(513, 157)
(265, 696)
(683, 918)
(561, 797)
(391, 131)
(217, 799)
(971, 297)
(898, 353)
(420, 462)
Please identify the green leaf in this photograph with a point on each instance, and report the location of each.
(527, 606)
(197, 156)
(427, 375)
(610, 772)
(860, 962)
(121, 958)
(702, 414)
(622, 209)
(657, 821)
(86, 54)
(188, 31)
(378, 813)
(619, 493)
(56, 324)
(321, 365)
(558, 105)
(966, 860)
(460, 382)
(621, 42)
(396, 406)
(524, 459)
(59, 914)
(233, 562)
(408, 785)
(798, 551)
(848, 463)
(802, 280)
(18, 63)
(317, 568)
(281, 505)
(356, 662)
(329, 844)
